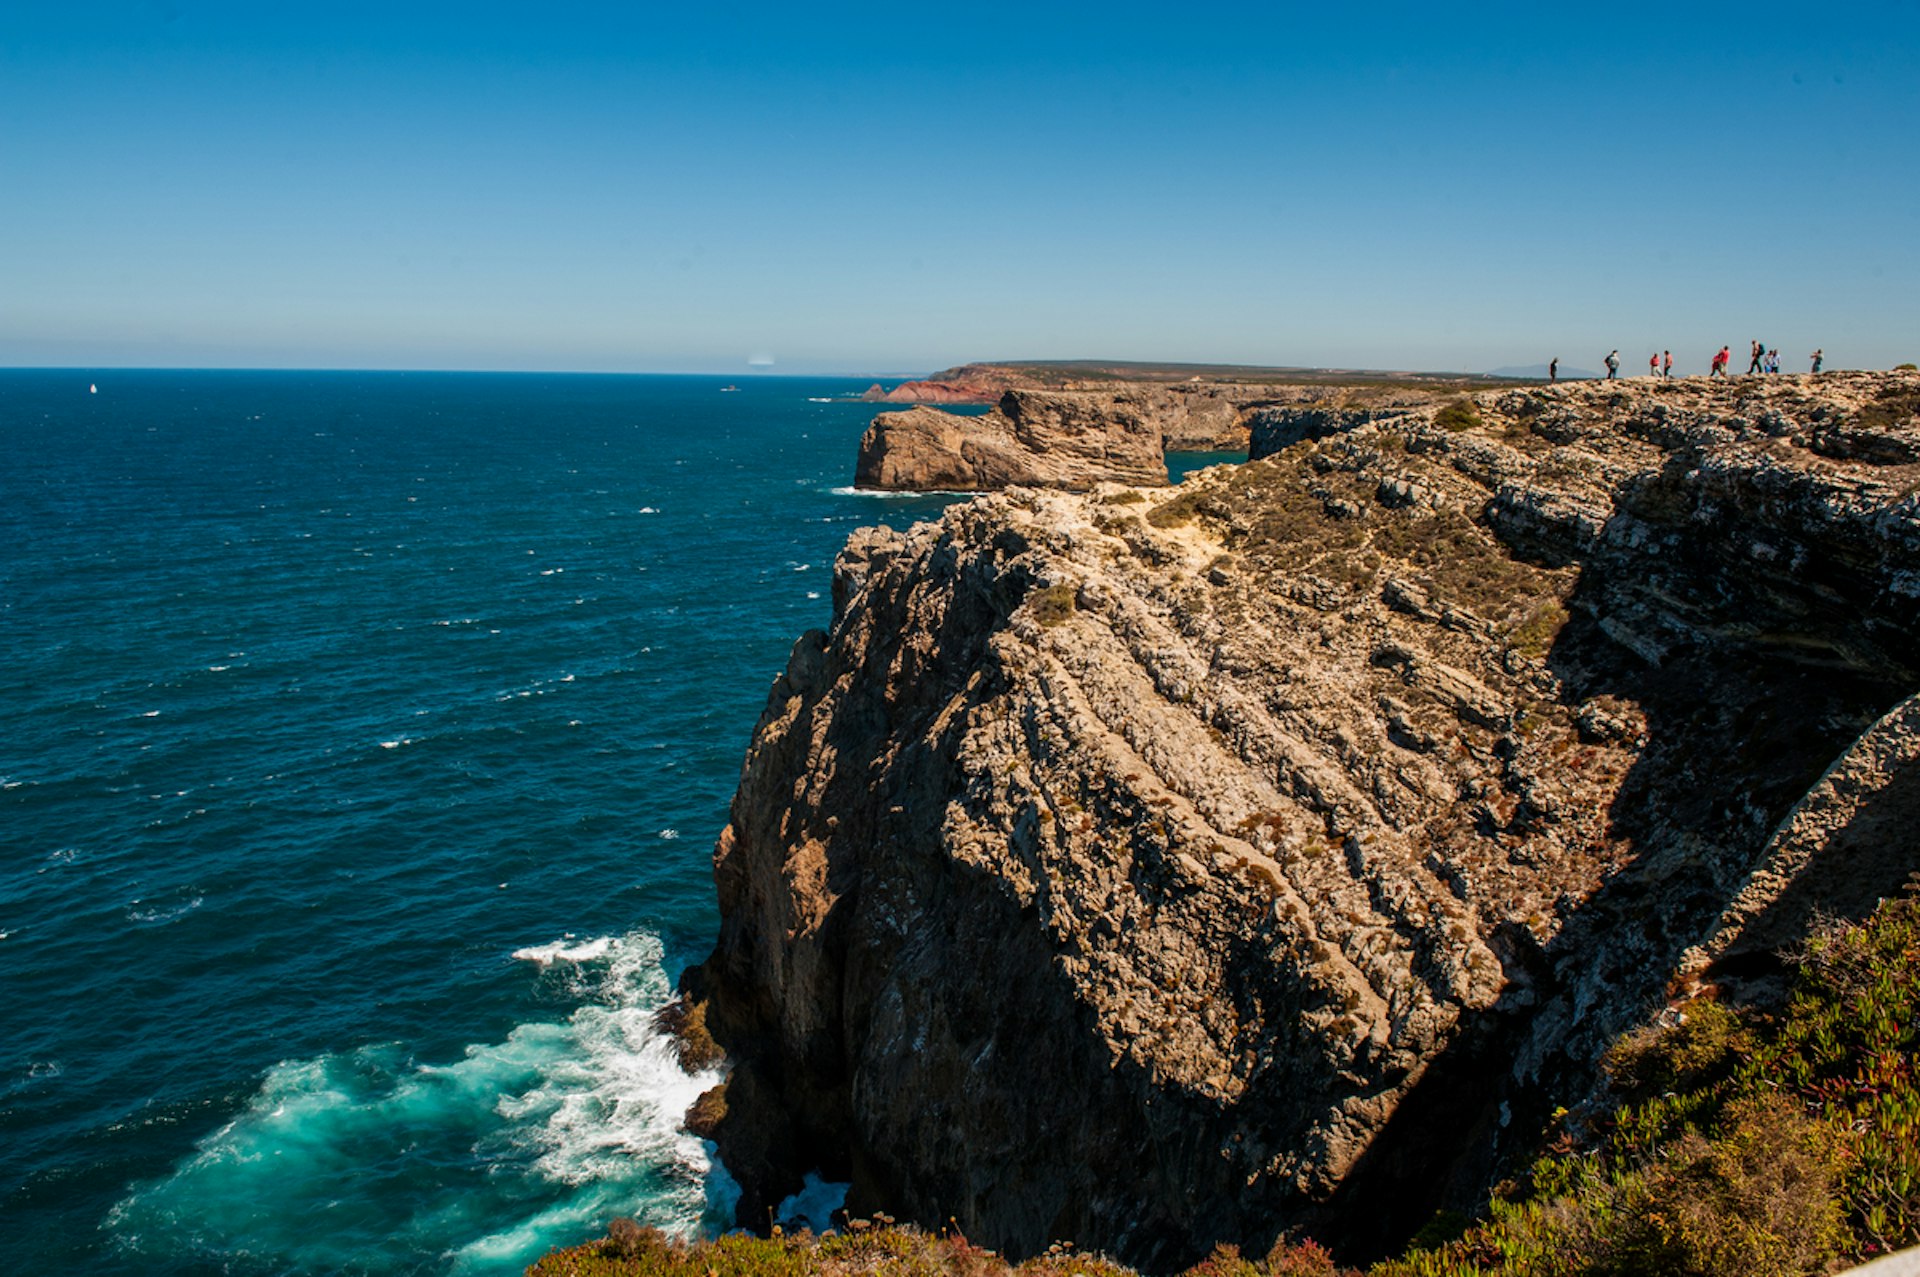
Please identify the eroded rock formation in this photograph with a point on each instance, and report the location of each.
(1150, 869)
(1032, 438)
(1051, 438)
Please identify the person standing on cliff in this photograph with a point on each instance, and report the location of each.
(1818, 356)
(1720, 362)
(1653, 365)
(1553, 369)
(1753, 364)
(1666, 363)
(1613, 364)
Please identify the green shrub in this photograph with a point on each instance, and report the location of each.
(1053, 605)
(1536, 631)
(1700, 1048)
(1174, 512)
(1458, 415)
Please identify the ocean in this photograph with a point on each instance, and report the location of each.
(363, 743)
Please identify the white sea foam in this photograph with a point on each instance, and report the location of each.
(162, 912)
(669, 834)
(882, 492)
(646, 509)
(564, 951)
(517, 1146)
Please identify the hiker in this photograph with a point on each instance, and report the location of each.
(1666, 363)
(1818, 356)
(1553, 369)
(1753, 364)
(1720, 362)
(1653, 365)
(1613, 364)
(1773, 361)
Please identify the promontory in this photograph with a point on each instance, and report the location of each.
(1155, 867)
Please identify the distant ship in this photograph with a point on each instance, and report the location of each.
(724, 389)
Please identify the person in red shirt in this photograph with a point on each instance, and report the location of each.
(1720, 362)
(1653, 365)
(1666, 363)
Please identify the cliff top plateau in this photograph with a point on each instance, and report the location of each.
(984, 383)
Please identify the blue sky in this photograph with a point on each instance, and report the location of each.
(871, 189)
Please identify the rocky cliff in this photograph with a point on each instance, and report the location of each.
(971, 384)
(1149, 869)
(1033, 438)
(1074, 438)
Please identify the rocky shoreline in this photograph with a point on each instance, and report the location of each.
(1154, 868)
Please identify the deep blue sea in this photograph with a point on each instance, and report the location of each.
(363, 742)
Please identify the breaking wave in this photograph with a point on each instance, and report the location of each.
(370, 1161)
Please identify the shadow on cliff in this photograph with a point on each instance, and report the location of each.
(1735, 734)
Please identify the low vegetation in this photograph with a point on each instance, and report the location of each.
(1053, 605)
(1458, 415)
(1742, 1144)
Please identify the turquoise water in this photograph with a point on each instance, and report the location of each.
(363, 741)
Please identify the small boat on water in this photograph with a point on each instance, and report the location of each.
(724, 389)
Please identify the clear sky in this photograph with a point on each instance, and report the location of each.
(889, 188)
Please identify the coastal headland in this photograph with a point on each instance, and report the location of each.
(1158, 868)
(1073, 425)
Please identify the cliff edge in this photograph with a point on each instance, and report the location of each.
(1153, 869)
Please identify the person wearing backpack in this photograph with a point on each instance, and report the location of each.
(1613, 364)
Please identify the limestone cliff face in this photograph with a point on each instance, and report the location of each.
(1034, 438)
(1197, 418)
(1069, 439)
(1149, 869)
